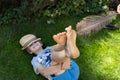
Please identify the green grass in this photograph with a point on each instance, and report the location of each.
(100, 54)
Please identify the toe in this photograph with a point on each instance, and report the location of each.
(63, 33)
(68, 28)
(55, 37)
(58, 35)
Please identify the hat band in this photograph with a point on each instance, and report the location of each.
(27, 43)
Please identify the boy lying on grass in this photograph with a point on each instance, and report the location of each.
(54, 62)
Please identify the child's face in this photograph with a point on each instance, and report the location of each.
(118, 8)
(35, 47)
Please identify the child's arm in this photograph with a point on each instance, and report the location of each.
(66, 64)
(50, 70)
(55, 69)
(118, 8)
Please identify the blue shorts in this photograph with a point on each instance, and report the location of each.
(70, 74)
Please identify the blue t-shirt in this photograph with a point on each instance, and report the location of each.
(43, 59)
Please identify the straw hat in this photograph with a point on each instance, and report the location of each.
(27, 40)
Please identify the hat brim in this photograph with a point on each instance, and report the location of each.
(31, 43)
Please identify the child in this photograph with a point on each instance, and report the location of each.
(54, 62)
(118, 9)
(114, 26)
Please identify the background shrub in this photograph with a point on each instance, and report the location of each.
(18, 11)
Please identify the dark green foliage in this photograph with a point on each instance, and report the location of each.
(50, 8)
(15, 15)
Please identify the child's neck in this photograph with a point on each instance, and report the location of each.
(37, 52)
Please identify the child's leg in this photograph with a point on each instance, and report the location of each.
(58, 52)
(59, 56)
(72, 49)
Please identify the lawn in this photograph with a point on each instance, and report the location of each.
(100, 54)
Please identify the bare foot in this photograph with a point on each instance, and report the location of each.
(71, 34)
(71, 43)
(60, 38)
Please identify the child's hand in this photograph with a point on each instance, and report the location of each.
(118, 8)
(66, 64)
